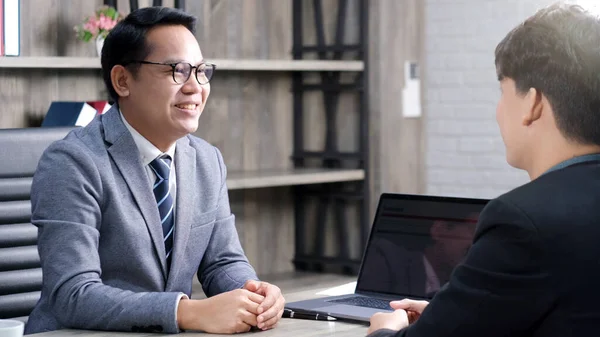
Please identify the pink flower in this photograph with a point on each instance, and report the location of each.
(104, 22)
(92, 27)
(93, 21)
(110, 24)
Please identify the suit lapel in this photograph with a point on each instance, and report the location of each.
(135, 176)
(187, 195)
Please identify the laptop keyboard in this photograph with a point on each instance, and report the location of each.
(363, 301)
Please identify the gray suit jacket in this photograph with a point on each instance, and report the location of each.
(100, 238)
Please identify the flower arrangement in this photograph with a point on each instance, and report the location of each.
(99, 24)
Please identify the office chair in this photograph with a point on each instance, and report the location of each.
(20, 272)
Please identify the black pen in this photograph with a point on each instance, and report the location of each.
(288, 313)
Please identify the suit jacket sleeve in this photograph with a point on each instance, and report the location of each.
(67, 203)
(500, 289)
(224, 266)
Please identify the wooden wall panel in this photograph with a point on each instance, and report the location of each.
(249, 115)
(13, 95)
(397, 143)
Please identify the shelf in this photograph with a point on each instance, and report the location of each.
(244, 180)
(287, 65)
(59, 62)
(236, 180)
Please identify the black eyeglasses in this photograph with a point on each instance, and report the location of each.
(181, 71)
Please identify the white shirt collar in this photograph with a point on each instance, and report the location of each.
(148, 151)
(432, 282)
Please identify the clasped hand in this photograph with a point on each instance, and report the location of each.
(257, 304)
(270, 309)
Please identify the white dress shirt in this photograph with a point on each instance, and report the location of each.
(149, 152)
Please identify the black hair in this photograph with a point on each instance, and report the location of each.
(127, 41)
(557, 52)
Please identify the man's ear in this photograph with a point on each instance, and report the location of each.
(120, 78)
(533, 106)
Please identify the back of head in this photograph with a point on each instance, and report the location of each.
(557, 52)
(127, 41)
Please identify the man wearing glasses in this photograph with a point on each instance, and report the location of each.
(130, 207)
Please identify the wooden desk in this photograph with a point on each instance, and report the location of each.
(294, 286)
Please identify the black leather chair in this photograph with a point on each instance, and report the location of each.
(20, 272)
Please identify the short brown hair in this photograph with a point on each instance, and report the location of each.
(557, 52)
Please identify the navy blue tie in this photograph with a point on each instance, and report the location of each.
(162, 167)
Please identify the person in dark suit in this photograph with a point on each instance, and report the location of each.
(533, 267)
(132, 206)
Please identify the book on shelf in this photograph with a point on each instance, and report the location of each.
(62, 113)
(11, 21)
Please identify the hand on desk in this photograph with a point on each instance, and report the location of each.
(413, 308)
(271, 309)
(406, 312)
(393, 320)
(231, 312)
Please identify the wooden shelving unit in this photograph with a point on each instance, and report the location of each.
(60, 62)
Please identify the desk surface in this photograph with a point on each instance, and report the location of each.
(295, 287)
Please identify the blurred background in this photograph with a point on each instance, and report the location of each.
(318, 106)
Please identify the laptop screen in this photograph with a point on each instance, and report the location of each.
(415, 243)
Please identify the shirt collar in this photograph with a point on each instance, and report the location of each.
(148, 151)
(575, 160)
(432, 282)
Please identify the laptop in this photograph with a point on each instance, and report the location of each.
(414, 244)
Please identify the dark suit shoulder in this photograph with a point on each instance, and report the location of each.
(564, 207)
(559, 197)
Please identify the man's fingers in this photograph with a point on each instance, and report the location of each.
(267, 315)
(251, 305)
(252, 285)
(276, 311)
(256, 298)
(248, 317)
(412, 316)
(410, 305)
(271, 323)
(271, 296)
(242, 327)
(270, 317)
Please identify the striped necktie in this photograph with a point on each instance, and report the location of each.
(162, 167)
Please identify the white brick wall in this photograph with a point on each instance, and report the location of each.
(465, 153)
